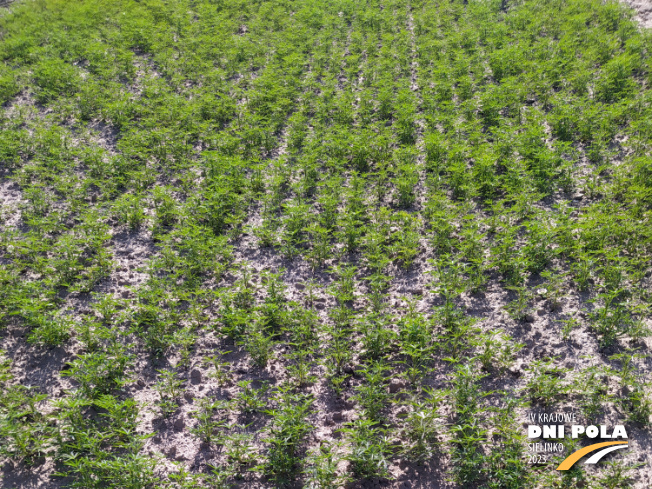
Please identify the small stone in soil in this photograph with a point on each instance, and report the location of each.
(179, 424)
(195, 375)
(402, 412)
(515, 371)
(396, 385)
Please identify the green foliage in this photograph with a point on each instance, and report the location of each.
(369, 449)
(546, 383)
(129, 211)
(322, 469)
(455, 157)
(25, 431)
(250, 399)
(54, 78)
(206, 424)
(288, 431)
(617, 474)
(103, 451)
(372, 394)
(101, 373)
(51, 330)
(169, 389)
(421, 426)
(239, 448)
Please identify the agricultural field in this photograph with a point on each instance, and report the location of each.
(322, 244)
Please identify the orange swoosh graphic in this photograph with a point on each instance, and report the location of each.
(575, 456)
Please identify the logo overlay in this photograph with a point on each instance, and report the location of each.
(553, 426)
(607, 447)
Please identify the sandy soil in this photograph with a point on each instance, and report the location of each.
(643, 11)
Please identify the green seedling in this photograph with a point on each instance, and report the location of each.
(207, 427)
(546, 383)
(169, 389)
(251, 400)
